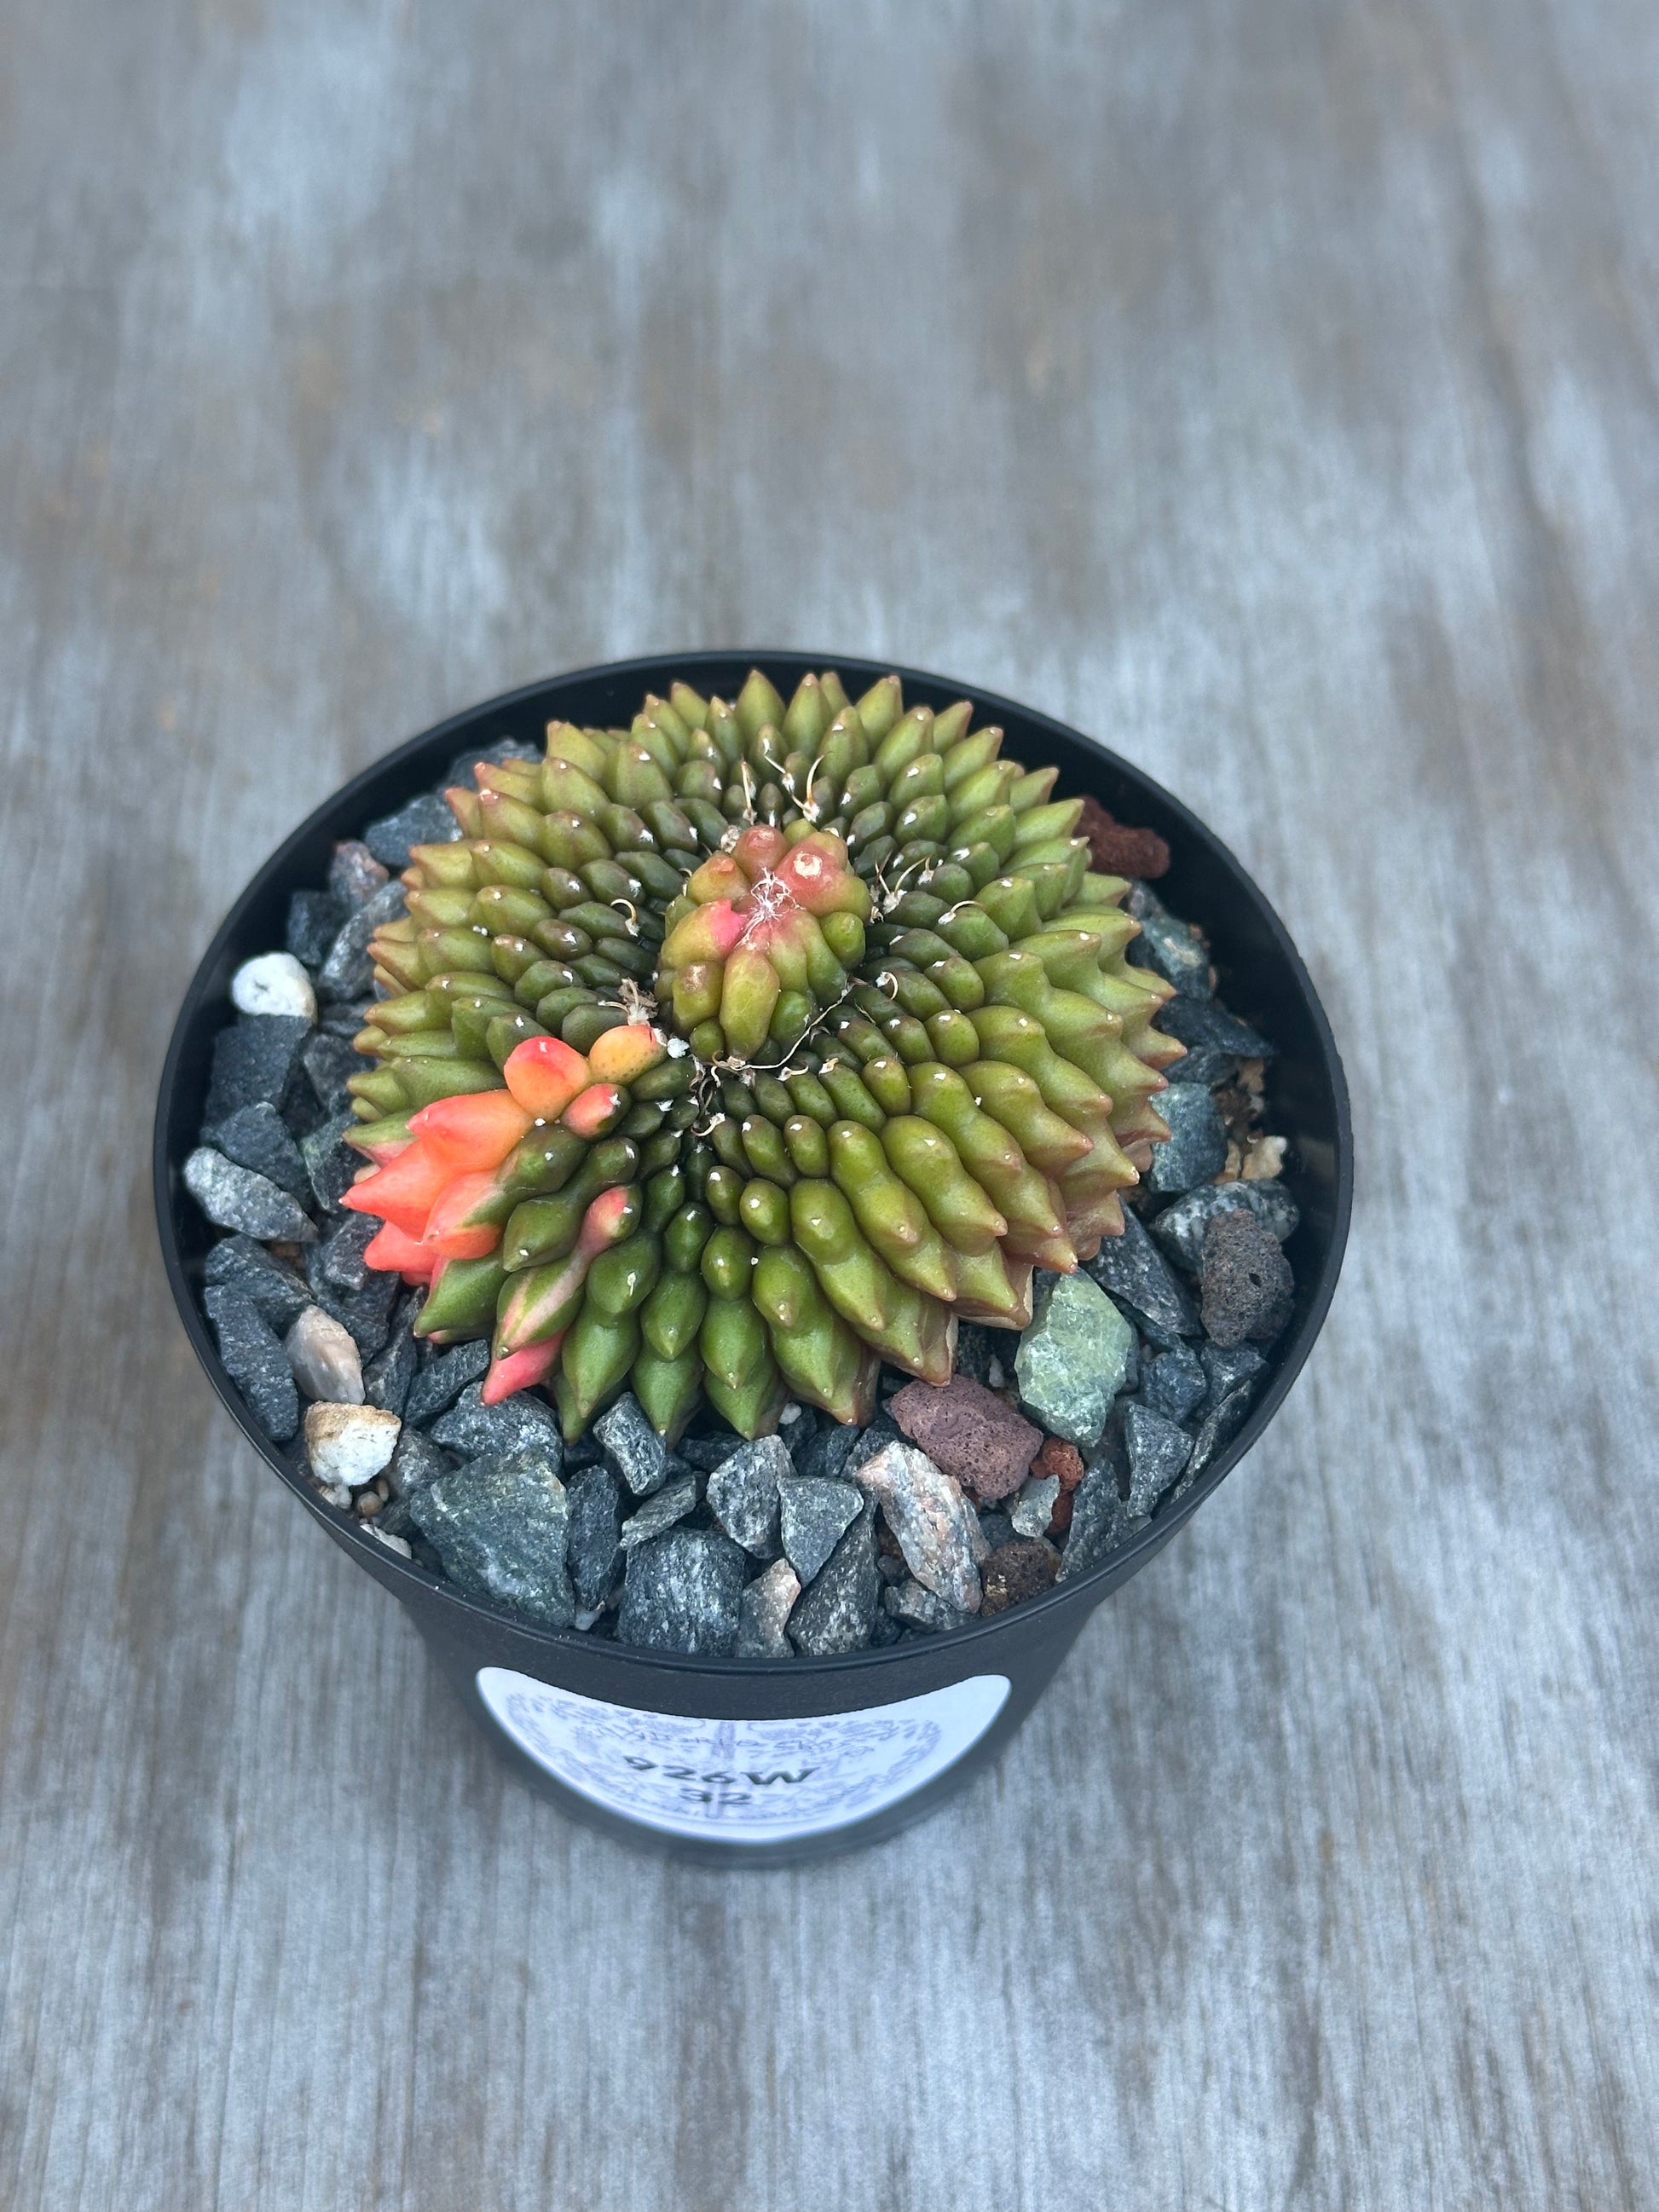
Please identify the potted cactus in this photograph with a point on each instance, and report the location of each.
(748, 1095)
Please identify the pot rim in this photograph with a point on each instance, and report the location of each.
(976, 1639)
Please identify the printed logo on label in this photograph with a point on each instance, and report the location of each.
(743, 1782)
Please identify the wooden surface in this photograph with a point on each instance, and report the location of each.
(1269, 388)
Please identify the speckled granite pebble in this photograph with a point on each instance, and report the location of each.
(236, 1197)
(683, 1593)
(255, 1361)
(500, 1526)
(838, 1610)
(743, 1494)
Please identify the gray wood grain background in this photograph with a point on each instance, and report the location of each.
(1267, 385)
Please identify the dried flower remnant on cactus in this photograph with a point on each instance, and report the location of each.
(730, 1054)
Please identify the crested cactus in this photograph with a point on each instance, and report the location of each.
(734, 1052)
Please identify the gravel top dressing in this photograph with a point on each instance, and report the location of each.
(771, 1182)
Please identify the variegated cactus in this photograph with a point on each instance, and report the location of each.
(734, 1052)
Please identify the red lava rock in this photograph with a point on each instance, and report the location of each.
(969, 1432)
(1119, 850)
(1058, 1458)
(1060, 1519)
(1023, 1567)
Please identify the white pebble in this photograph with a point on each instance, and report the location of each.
(325, 1361)
(393, 1543)
(274, 983)
(348, 1445)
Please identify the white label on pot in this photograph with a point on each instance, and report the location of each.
(743, 1782)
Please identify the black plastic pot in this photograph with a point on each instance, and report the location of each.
(753, 1762)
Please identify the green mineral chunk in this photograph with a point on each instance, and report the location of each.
(1074, 1359)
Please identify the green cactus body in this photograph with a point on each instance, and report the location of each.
(729, 1055)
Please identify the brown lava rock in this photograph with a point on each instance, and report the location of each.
(1247, 1281)
(1058, 1458)
(1023, 1567)
(1118, 849)
(969, 1432)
